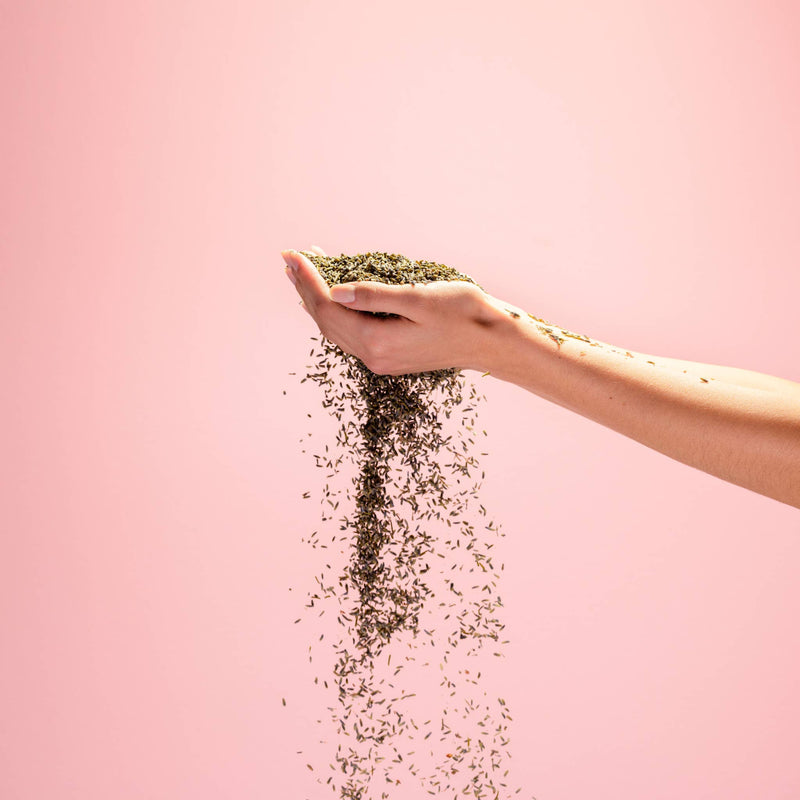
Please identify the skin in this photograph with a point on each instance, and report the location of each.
(738, 425)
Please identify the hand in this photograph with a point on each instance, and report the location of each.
(440, 325)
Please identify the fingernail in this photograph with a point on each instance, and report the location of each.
(290, 275)
(343, 293)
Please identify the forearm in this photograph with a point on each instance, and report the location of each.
(739, 426)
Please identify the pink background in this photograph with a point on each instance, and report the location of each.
(628, 170)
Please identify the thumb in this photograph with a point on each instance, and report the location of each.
(402, 299)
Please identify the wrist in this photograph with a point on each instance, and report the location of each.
(499, 328)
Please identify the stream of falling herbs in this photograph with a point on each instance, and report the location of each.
(418, 583)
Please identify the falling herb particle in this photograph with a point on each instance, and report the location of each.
(397, 420)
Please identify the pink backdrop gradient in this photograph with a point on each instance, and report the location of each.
(628, 170)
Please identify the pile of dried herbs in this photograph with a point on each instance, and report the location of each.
(417, 583)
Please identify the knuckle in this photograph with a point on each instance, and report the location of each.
(470, 297)
(473, 303)
(375, 355)
(370, 352)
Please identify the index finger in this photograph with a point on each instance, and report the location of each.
(314, 290)
(314, 286)
(304, 268)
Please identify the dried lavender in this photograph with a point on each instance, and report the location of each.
(416, 561)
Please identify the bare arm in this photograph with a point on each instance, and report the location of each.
(735, 424)
(738, 425)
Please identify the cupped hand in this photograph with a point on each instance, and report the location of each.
(440, 325)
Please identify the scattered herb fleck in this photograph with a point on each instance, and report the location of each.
(415, 475)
